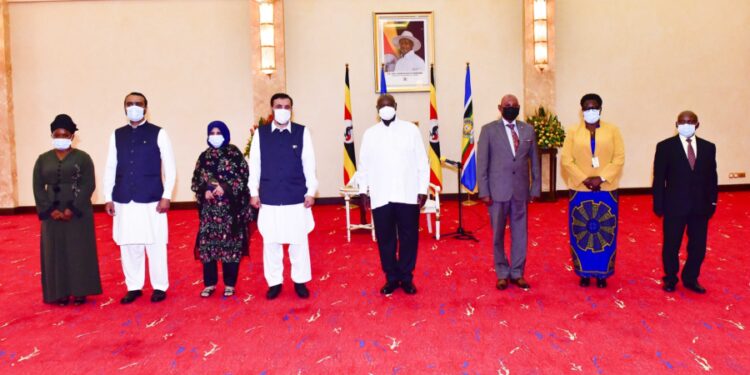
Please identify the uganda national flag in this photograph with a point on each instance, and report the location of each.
(468, 153)
(436, 170)
(350, 162)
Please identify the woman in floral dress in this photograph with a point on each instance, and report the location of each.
(220, 186)
(63, 184)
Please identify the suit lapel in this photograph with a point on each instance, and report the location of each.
(523, 137)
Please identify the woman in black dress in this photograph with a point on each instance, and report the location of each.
(63, 184)
(220, 186)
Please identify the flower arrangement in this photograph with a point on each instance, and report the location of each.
(261, 121)
(549, 131)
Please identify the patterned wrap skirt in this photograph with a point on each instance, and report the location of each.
(592, 226)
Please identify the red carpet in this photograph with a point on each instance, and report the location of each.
(458, 322)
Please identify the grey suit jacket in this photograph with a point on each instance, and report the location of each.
(500, 175)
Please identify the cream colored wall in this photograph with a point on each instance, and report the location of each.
(649, 60)
(323, 35)
(190, 57)
(652, 59)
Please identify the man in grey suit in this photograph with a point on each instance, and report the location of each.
(507, 153)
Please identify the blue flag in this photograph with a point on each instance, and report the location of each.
(468, 152)
(383, 87)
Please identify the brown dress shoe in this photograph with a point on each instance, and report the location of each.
(502, 284)
(521, 283)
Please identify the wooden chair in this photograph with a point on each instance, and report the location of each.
(432, 207)
(349, 191)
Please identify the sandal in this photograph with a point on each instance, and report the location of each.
(208, 291)
(228, 291)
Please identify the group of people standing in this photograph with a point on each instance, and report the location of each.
(393, 177)
(685, 192)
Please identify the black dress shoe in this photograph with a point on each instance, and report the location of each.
(521, 283)
(78, 301)
(501, 284)
(274, 291)
(585, 281)
(408, 287)
(158, 295)
(301, 290)
(63, 301)
(695, 287)
(601, 283)
(669, 287)
(131, 296)
(389, 287)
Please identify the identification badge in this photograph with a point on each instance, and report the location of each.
(595, 162)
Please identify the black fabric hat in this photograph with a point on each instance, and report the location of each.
(63, 121)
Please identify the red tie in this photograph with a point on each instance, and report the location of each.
(516, 141)
(691, 153)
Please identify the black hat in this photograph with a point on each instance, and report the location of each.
(63, 121)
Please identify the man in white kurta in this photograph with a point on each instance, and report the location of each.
(138, 199)
(394, 171)
(282, 185)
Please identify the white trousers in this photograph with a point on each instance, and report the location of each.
(134, 266)
(273, 262)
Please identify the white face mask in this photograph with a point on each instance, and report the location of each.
(134, 113)
(591, 116)
(686, 130)
(281, 116)
(61, 143)
(216, 140)
(387, 113)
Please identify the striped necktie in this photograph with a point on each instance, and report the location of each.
(516, 141)
(690, 153)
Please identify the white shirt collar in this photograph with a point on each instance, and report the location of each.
(287, 128)
(684, 139)
(505, 122)
(139, 124)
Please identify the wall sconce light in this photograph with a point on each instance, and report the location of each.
(267, 45)
(540, 34)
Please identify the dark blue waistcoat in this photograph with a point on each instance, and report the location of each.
(282, 179)
(138, 176)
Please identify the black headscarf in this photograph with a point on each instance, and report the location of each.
(63, 121)
(222, 128)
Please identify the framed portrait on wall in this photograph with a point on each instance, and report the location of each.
(405, 48)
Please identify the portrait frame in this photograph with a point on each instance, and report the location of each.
(404, 71)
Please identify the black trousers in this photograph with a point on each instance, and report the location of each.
(229, 271)
(397, 232)
(697, 231)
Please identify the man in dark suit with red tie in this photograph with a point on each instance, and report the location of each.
(685, 191)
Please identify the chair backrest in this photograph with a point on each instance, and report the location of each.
(353, 181)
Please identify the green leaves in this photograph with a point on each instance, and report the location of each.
(549, 131)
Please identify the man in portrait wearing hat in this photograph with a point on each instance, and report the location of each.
(408, 61)
(138, 199)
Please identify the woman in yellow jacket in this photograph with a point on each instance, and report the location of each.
(593, 155)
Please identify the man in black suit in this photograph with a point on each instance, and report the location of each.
(685, 191)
